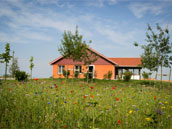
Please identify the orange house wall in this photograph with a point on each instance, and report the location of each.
(100, 71)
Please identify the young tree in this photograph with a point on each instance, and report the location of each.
(31, 66)
(170, 60)
(157, 50)
(14, 66)
(5, 57)
(73, 47)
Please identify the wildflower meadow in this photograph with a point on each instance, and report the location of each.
(103, 104)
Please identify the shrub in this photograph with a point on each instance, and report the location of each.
(105, 76)
(76, 73)
(21, 75)
(145, 75)
(109, 75)
(127, 75)
(66, 75)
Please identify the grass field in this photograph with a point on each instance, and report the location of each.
(52, 103)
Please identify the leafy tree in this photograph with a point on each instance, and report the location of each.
(31, 65)
(73, 47)
(5, 57)
(157, 50)
(14, 66)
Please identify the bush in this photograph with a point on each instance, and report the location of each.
(145, 75)
(66, 75)
(109, 75)
(105, 76)
(21, 75)
(127, 75)
(76, 73)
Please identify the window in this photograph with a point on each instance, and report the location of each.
(78, 68)
(60, 69)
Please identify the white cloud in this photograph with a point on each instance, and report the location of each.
(140, 9)
(101, 3)
(116, 36)
(44, 2)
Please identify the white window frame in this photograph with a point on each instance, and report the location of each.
(60, 69)
(79, 68)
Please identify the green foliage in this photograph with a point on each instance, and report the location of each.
(66, 73)
(105, 76)
(76, 73)
(109, 74)
(74, 47)
(145, 75)
(31, 65)
(157, 50)
(21, 75)
(127, 75)
(6, 57)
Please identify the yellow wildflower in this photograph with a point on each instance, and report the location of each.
(163, 107)
(166, 102)
(170, 106)
(130, 111)
(148, 119)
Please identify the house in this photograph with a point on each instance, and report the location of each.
(99, 68)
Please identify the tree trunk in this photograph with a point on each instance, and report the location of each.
(31, 74)
(156, 75)
(161, 77)
(161, 73)
(169, 75)
(6, 70)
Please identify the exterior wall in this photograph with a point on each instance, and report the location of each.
(100, 71)
(103, 69)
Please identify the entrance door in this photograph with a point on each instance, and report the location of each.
(90, 71)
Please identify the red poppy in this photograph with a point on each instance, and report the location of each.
(36, 79)
(56, 86)
(119, 122)
(71, 91)
(117, 99)
(92, 87)
(61, 82)
(113, 88)
(154, 97)
(80, 85)
(64, 126)
(85, 97)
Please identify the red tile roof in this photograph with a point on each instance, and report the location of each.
(131, 62)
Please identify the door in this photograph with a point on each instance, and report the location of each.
(90, 71)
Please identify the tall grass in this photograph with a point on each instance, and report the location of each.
(102, 104)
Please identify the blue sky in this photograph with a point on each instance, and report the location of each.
(35, 27)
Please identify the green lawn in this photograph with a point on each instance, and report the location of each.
(103, 104)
